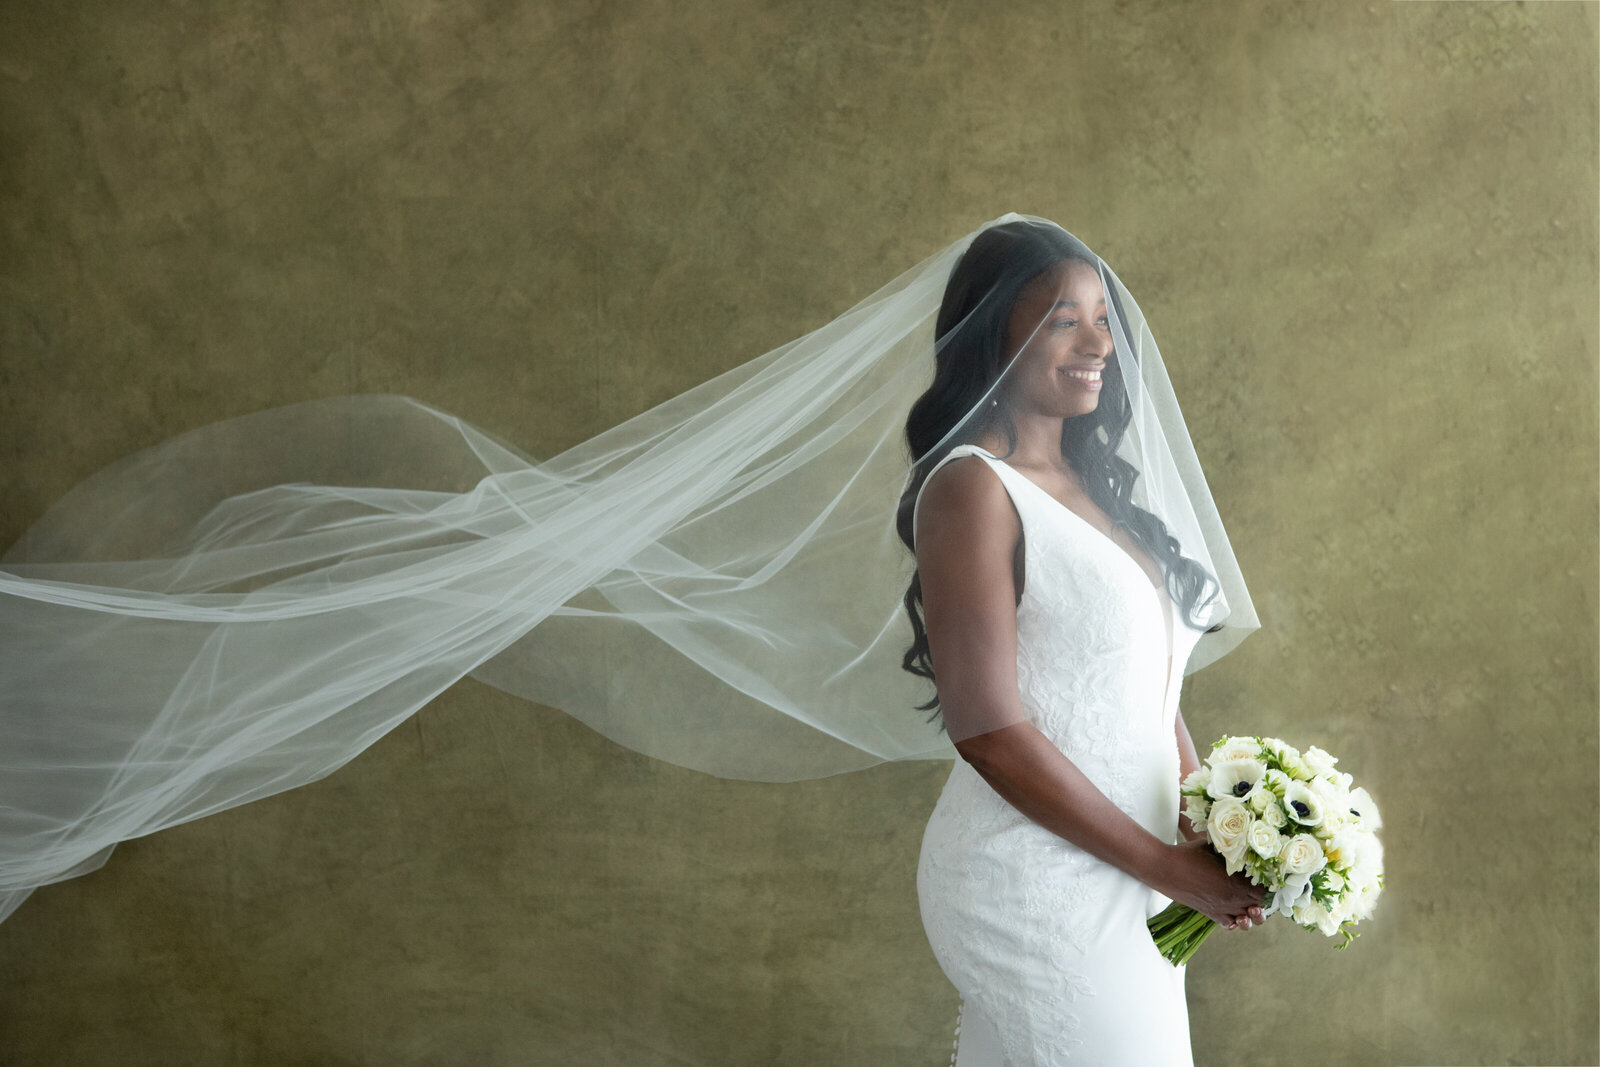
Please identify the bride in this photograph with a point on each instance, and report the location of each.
(1054, 838)
(720, 582)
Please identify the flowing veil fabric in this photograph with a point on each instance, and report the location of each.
(717, 582)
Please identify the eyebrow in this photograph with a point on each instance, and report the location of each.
(1072, 303)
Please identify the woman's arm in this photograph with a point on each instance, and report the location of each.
(967, 536)
(1034, 776)
(1188, 762)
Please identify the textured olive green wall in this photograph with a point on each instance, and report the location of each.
(1365, 235)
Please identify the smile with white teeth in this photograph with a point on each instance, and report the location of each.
(1086, 375)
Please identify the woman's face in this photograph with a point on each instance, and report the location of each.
(1062, 336)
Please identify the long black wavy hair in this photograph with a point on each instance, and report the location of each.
(970, 355)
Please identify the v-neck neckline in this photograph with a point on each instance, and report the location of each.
(1164, 600)
(1107, 538)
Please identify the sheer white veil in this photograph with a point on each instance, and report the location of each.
(720, 582)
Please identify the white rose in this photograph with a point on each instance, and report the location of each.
(1333, 820)
(1232, 748)
(1264, 840)
(1302, 854)
(1228, 825)
(1275, 817)
(1319, 761)
(1262, 799)
(1197, 781)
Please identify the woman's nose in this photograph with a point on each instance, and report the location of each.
(1099, 344)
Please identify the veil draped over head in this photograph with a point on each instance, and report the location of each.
(724, 582)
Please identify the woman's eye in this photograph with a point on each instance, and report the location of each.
(1063, 323)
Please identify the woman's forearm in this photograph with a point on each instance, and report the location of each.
(1036, 778)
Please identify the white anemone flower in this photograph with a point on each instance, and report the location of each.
(1295, 888)
(1365, 810)
(1302, 805)
(1237, 778)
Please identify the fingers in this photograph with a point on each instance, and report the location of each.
(1252, 915)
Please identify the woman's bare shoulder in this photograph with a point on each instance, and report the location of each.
(964, 503)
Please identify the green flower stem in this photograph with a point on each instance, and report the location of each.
(1179, 931)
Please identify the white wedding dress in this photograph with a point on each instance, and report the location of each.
(1046, 943)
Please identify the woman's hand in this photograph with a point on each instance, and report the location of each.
(1194, 874)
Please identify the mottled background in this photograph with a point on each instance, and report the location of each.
(1365, 235)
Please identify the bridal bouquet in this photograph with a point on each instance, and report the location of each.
(1292, 823)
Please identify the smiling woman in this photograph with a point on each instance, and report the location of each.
(1059, 593)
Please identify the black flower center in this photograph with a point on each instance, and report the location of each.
(1301, 808)
(1241, 788)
